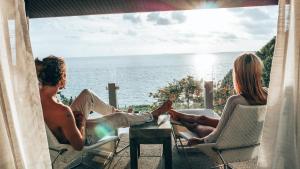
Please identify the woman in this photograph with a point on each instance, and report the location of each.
(247, 80)
(69, 123)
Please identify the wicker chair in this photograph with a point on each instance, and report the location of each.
(239, 140)
(64, 155)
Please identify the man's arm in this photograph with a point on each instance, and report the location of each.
(70, 130)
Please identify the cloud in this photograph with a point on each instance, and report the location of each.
(178, 16)
(72, 37)
(153, 16)
(157, 19)
(228, 36)
(132, 18)
(253, 14)
(131, 33)
(163, 21)
(170, 19)
(256, 21)
(258, 28)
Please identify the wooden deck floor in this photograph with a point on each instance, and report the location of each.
(151, 159)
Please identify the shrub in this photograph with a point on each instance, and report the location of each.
(65, 100)
(185, 93)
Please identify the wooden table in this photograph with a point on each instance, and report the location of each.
(155, 132)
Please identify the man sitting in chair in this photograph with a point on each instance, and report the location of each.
(69, 123)
(247, 73)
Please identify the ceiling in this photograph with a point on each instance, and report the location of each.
(57, 8)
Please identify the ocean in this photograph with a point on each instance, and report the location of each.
(137, 76)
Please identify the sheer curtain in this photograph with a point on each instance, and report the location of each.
(23, 142)
(280, 147)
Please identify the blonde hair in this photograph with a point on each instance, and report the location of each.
(247, 78)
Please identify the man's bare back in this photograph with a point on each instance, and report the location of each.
(60, 120)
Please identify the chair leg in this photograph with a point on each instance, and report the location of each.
(117, 144)
(218, 166)
(225, 164)
(175, 140)
(111, 158)
(76, 164)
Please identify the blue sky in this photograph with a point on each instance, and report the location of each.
(194, 31)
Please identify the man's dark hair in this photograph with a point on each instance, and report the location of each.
(50, 70)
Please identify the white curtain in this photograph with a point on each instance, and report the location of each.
(280, 147)
(23, 142)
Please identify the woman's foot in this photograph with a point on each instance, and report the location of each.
(162, 109)
(195, 140)
(173, 114)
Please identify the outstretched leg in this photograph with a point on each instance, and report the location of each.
(182, 117)
(191, 118)
(88, 101)
(202, 130)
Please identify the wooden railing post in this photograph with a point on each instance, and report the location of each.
(112, 99)
(112, 94)
(209, 94)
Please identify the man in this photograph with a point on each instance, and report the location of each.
(69, 123)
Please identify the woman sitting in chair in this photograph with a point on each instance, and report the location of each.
(247, 73)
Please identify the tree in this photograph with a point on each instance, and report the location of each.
(266, 54)
(65, 100)
(184, 92)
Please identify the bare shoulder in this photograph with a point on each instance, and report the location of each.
(66, 111)
(62, 113)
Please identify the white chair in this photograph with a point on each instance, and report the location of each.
(179, 132)
(239, 140)
(65, 156)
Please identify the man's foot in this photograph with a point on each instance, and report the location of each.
(162, 109)
(130, 109)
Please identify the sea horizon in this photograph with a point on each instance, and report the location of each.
(138, 75)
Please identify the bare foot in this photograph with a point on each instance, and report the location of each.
(162, 109)
(194, 141)
(130, 109)
(173, 114)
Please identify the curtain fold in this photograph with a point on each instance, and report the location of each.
(280, 147)
(23, 142)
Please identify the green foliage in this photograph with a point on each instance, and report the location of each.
(64, 99)
(222, 91)
(266, 55)
(184, 92)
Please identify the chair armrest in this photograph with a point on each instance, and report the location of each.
(206, 112)
(204, 145)
(187, 135)
(175, 122)
(59, 151)
(101, 142)
(235, 148)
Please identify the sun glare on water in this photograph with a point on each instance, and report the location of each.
(203, 64)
